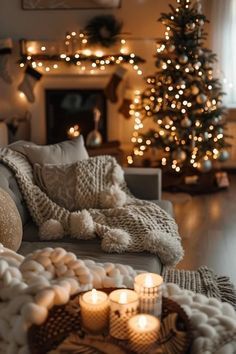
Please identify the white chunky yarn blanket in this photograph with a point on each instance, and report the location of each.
(123, 222)
(31, 286)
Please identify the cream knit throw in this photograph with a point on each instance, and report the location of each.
(123, 222)
(31, 286)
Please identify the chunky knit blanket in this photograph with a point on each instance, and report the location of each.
(105, 209)
(30, 286)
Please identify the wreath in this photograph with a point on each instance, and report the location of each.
(103, 30)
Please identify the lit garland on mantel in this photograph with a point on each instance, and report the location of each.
(78, 53)
(182, 100)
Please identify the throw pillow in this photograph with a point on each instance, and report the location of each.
(66, 152)
(58, 182)
(10, 222)
(92, 183)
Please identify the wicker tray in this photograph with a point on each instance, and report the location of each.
(62, 333)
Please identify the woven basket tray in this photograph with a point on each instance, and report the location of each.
(62, 333)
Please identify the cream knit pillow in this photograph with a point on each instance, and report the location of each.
(10, 222)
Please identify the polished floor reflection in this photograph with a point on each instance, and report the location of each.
(207, 224)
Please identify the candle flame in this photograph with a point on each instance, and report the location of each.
(148, 281)
(142, 322)
(94, 296)
(123, 298)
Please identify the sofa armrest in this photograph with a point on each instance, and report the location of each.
(144, 183)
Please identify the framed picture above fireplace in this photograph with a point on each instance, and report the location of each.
(69, 4)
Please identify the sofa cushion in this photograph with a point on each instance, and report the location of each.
(58, 182)
(10, 222)
(66, 152)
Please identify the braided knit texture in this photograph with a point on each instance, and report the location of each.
(105, 208)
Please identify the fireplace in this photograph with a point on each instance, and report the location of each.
(71, 111)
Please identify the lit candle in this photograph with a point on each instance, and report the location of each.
(123, 305)
(143, 333)
(94, 310)
(149, 289)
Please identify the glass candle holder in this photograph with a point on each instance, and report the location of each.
(123, 305)
(94, 311)
(143, 333)
(149, 289)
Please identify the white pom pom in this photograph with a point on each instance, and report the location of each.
(112, 197)
(51, 230)
(81, 225)
(118, 174)
(115, 240)
(168, 248)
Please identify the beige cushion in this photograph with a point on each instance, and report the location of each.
(10, 222)
(66, 152)
(58, 182)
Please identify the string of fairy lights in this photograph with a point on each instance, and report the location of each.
(78, 52)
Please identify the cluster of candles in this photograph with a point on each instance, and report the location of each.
(132, 315)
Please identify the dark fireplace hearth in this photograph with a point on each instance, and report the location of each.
(72, 110)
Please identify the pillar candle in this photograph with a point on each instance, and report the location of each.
(143, 333)
(123, 305)
(149, 289)
(95, 310)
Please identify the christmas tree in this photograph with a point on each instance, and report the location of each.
(182, 98)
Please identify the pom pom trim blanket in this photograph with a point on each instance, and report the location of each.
(123, 223)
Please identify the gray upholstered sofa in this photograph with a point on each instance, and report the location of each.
(143, 183)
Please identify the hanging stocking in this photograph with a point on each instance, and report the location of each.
(111, 88)
(30, 79)
(127, 101)
(5, 51)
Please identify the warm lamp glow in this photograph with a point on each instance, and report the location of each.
(87, 52)
(99, 53)
(21, 94)
(123, 298)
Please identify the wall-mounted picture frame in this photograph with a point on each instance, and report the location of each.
(69, 4)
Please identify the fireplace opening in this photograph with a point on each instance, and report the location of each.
(70, 112)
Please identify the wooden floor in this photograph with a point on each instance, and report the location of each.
(207, 225)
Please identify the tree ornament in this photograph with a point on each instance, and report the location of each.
(197, 65)
(215, 120)
(204, 165)
(205, 136)
(103, 30)
(194, 90)
(223, 155)
(201, 99)
(171, 48)
(190, 26)
(201, 22)
(179, 155)
(183, 59)
(186, 122)
(167, 120)
(200, 51)
(220, 130)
